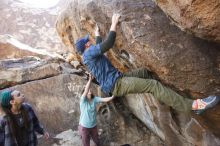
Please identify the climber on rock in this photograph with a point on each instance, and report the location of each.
(87, 122)
(137, 81)
(19, 122)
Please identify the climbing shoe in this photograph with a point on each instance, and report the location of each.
(200, 105)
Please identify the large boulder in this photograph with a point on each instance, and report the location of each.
(200, 17)
(17, 71)
(147, 38)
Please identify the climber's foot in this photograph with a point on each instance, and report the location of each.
(200, 105)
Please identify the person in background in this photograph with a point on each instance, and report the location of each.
(19, 124)
(87, 122)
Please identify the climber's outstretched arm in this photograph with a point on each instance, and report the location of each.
(107, 99)
(86, 90)
(98, 38)
(109, 42)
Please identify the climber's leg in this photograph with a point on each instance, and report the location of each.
(139, 73)
(127, 85)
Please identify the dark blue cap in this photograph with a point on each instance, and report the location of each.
(80, 44)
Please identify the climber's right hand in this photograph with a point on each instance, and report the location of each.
(115, 18)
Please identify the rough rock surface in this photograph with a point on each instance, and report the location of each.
(17, 71)
(199, 17)
(56, 101)
(147, 38)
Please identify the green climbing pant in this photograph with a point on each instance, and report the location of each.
(141, 81)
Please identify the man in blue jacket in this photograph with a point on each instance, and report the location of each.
(137, 81)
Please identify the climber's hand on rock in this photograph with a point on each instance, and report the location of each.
(115, 18)
(97, 33)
